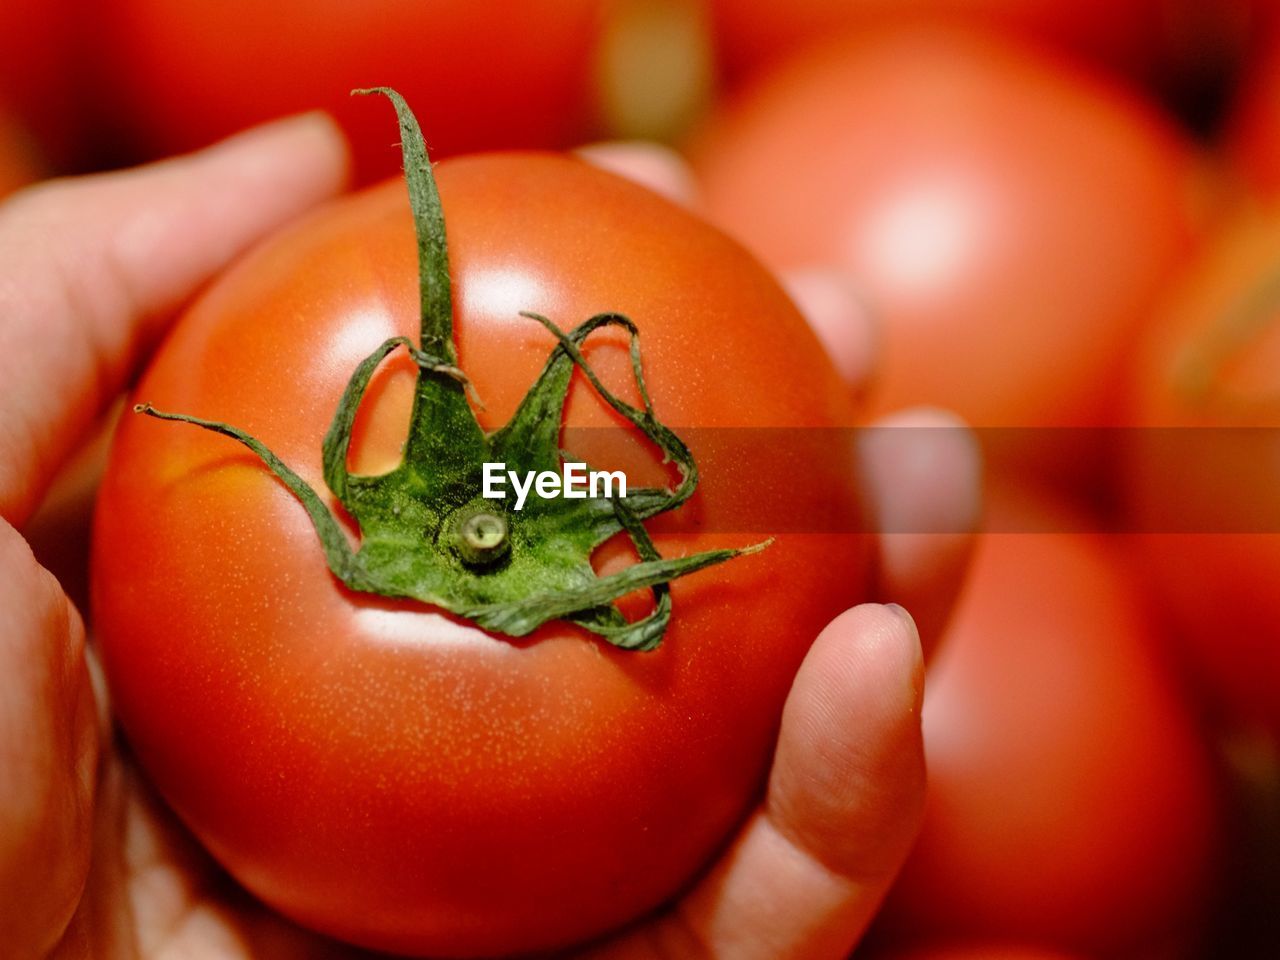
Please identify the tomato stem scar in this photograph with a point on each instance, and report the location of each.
(481, 536)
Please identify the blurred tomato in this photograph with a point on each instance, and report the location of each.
(972, 952)
(481, 74)
(18, 166)
(1007, 218)
(1212, 362)
(38, 75)
(1071, 802)
(1253, 135)
(1136, 36)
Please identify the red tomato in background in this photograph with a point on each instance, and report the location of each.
(1007, 219)
(381, 771)
(1212, 362)
(175, 75)
(1071, 802)
(1137, 36)
(39, 71)
(17, 165)
(971, 952)
(1253, 129)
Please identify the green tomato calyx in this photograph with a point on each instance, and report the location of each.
(426, 532)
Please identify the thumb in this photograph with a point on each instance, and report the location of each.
(48, 753)
(844, 802)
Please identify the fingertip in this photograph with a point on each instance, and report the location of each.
(870, 653)
(841, 320)
(922, 470)
(845, 800)
(651, 165)
(848, 777)
(924, 467)
(311, 144)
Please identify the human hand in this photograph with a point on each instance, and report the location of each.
(90, 862)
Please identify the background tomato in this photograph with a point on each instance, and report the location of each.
(1071, 800)
(1007, 218)
(1174, 43)
(1207, 499)
(40, 76)
(173, 76)
(384, 772)
(1253, 129)
(972, 952)
(1117, 31)
(18, 166)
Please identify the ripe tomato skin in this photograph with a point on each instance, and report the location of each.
(380, 771)
(1071, 802)
(176, 76)
(1216, 584)
(1008, 219)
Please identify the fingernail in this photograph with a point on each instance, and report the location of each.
(901, 612)
(912, 653)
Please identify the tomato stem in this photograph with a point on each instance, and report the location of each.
(428, 532)
(434, 288)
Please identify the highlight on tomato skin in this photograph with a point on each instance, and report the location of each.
(390, 775)
(1007, 217)
(1073, 800)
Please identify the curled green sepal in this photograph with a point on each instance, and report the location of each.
(427, 533)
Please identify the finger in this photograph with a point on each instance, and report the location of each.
(924, 484)
(922, 473)
(49, 741)
(649, 164)
(808, 871)
(840, 319)
(93, 267)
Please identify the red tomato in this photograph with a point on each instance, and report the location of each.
(17, 165)
(1135, 35)
(969, 952)
(1070, 800)
(38, 70)
(1253, 132)
(381, 771)
(1008, 219)
(1211, 363)
(176, 75)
